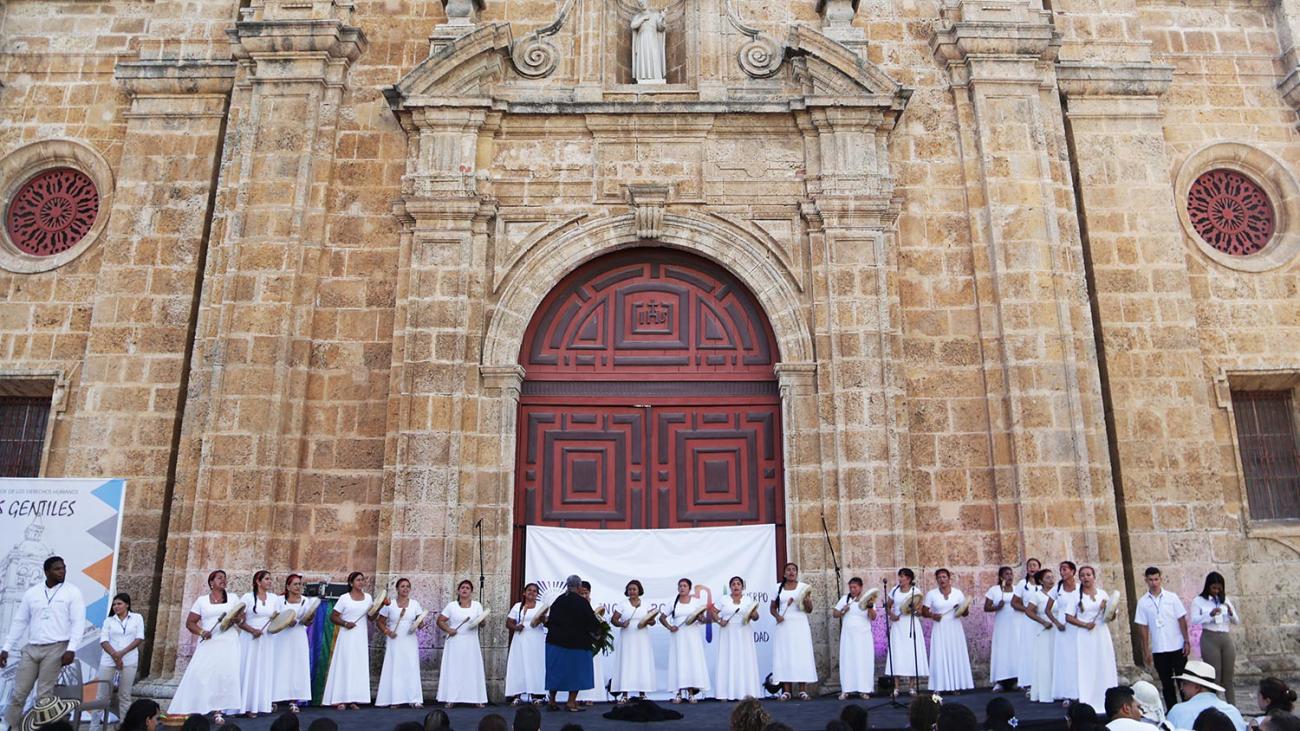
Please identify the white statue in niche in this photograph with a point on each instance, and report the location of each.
(648, 55)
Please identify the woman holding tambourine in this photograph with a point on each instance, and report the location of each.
(460, 677)
(526, 663)
(399, 681)
(634, 670)
(737, 676)
(856, 611)
(257, 649)
(212, 681)
(949, 657)
(349, 675)
(688, 671)
(792, 651)
(291, 681)
(906, 656)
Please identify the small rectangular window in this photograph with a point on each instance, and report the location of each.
(24, 418)
(1270, 455)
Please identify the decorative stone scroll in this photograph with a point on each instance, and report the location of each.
(533, 56)
(761, 56)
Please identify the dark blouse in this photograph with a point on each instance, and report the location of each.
(571, 623)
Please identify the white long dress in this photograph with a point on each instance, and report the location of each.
(258, 655)
(1026, 630)
(597, 693)
(1043, 649)
(949, 658)
(1004, 659)
(349, 673)
(460, 676)
(1096, 654)
(737, 670)
(634, 671)
(399, 680)
(857, 649)
(1065, 666)
(212, 679)
(292, 678)
(905, 655)
(687, 666)
(792, 649)
(526, 663)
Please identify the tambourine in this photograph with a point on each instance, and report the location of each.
(695, 615)
(600, 611)
(801, 593)
(747, 611)
(231, 617)
(911, 606)
(1112, 606)
(419, 621)
(377, 604)
(475, 622)
(963, 609)
(540, 616)
(309, 607)
(868, 599)
(648, 618)
(283, 620)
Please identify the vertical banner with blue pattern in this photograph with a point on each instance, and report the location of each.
(80, 520)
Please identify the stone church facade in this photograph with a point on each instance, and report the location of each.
(330, 281)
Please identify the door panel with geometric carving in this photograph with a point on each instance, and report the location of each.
(649, 401)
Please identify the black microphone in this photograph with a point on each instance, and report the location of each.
(478, 523)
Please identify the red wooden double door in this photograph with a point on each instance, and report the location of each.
(649, 401)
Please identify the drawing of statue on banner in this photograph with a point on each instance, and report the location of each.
(649, 58)
(79, 520)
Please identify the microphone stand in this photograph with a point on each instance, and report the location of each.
(839, 577)
(482, 578)
(893, 701)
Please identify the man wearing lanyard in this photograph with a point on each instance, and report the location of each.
(1162, 624)
(53, 615)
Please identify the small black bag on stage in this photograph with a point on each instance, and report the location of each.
(642, 710)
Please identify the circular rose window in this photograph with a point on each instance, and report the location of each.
(52, 212)
(1231, 212)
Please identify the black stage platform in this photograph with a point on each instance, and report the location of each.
(707, 715)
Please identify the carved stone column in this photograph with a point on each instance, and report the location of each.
(1044, 412)
(242, 446)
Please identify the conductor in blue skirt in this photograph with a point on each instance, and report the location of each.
(571, 632)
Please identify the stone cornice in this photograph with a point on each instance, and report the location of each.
(315, 49)
(171, 77)
(1078, 79)
(1001, 42)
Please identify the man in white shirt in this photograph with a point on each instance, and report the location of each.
(1162, 624)
(1124, 710)
(1198, 687)
(53, 616)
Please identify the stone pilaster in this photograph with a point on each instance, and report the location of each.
(145, 297)
(1047, 489)
(1160, 395)
(1286, 14)
(243, 454)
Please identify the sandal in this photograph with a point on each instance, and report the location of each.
(353, 707)
(574, 709)
(293, 708)
(218, 720)
(783, 697)
(844, 696)
(677, 699)
(516, 702)
(803, 696)
(340, 707)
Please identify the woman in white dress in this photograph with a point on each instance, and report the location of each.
(257, 648)
(1065, 666)
(526, 663)
(1096, 654)
(119, 638)
(905, 655)
(737, 671)
(1026, 628)
(1038, 607)
(348, 682)
(688, 671)
(634, 670)
(291, 680)
(857, 645)
(949, 658)
(460, 676)
(792, 651)
(212, 681)
(1004, 665)
(596, 694)
(399, 681)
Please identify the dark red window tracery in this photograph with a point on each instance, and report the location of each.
(1231, 212)
(52, 212)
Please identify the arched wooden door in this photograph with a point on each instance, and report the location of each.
(649, 401)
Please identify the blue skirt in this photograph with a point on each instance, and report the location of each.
(568, 669)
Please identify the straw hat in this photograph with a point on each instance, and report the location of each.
(48, 710)
(1201, 673)
(1148, 696)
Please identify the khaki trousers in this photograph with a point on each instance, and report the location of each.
(1217, 649)
(39, 667)
(126, 679)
